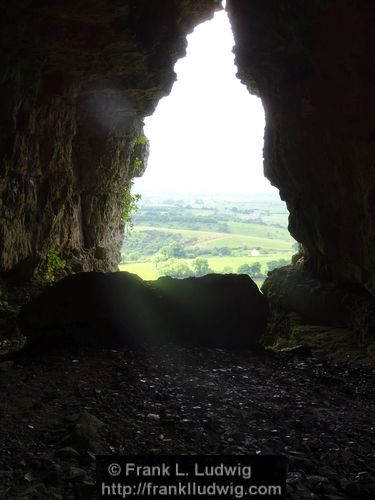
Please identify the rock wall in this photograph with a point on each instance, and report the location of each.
(312, 64)
(77, 79)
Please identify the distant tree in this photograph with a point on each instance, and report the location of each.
(195, 251)
(173, 251)
(244, 269)
(178, 270)
(255, 269)
(221, 251)
(201, 267)
(225, 251)
(223, 227)
(227, 270)
(134, 256)
(274, 264)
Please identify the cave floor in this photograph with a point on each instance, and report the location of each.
(178, 401)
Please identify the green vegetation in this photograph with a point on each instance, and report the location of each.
(182, 269)
(193, 237)
(140, 140)
(53, 264)
(129, 206)
(252, 270)
(138, 163)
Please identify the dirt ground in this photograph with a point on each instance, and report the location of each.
(58, 411)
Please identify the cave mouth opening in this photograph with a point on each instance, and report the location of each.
(205, 203)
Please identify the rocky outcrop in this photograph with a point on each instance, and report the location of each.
(117, 309)
(77, 79)
(300, 304)
(312, 65)
(295, 289)
(215, 310)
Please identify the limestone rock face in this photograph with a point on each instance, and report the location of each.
(320, 314)
(295, 289)
(77, 79)
(311, 63)
(117, 309)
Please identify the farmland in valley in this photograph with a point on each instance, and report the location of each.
(183, 237)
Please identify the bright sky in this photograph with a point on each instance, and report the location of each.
(207, 135)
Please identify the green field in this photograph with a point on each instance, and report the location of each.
(191, 237)
(147, 270)
(243, 237)
(187, 233)
(239, 240)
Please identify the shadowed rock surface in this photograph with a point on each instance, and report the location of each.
(113, 309)
(77, 80)
(296, 289)
(300, 305)
(311, 64)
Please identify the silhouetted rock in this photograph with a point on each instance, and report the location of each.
(215, 310)
(90, 309)
(115, 309)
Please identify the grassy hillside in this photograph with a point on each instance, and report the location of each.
(191, 237)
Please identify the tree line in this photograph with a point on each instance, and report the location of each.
(200, 267)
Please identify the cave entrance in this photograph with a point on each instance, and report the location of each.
(206, 205)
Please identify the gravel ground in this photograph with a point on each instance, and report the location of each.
(57, 412)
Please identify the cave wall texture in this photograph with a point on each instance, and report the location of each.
(312, 64)
(78, 78)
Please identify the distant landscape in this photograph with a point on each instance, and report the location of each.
(193, 236)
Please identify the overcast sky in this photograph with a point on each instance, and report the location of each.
(207, 135)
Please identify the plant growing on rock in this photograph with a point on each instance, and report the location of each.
(138, 164)
(129, 206)
(140, 153)
(53, 264)
(141, 140)
(49, 268)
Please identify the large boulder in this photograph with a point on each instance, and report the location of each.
(116, 309)
(296, 293)
(224, 310)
